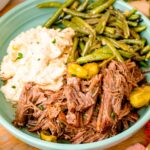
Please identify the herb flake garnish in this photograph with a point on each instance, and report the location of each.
(73, 75)
(20, 56)
(41, 107)
(54, 41)
(13, 86)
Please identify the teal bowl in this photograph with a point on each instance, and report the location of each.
(22, 18)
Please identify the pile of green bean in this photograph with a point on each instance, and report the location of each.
(102, 32)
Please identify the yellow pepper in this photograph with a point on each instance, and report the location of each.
(77, 70)
(140, 96)
(47, 137)
(92, 69)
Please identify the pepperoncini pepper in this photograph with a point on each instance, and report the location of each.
(140, 96)
(45, 135)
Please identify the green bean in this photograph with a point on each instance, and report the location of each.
(112, 19)
(107, 50)
(133, 41)
(116, 24)
(79, 9)
(110, 7)
(75, 27)
(83, 6)
(80, 35)
(125, 54)
(148, 55)
(75, 5)
(116, 21)
(121, 45)
(132, 24)
(81, 44)
(102, 23)
(67, 17)
(130, 12)
(110, 30)
(87, 46)
(134, 17)
(120, 31)
(96, 4)
(92, 21)
(83, 24)
(137, 47)
(139, 58)
(114, 50)
(104, 50)
(102, 7)
(105, 62)
(79, 14)
(72, 54)
(125, 24)
(143, 42)
(145, 49)
(99, 38)
(49, 5)
(85, 39)
(134, 34)
(60, 18)
(93, 57)
(113, 36)
(95, 46)
(140, 28)
(57, 13)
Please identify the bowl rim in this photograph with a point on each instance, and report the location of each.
(104, 143)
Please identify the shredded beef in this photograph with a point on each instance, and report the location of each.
(82, 111)
(118, 82)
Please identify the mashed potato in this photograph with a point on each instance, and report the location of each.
(37, 55)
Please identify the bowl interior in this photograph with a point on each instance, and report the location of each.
(25, 17)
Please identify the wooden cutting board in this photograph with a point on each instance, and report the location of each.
(9, 142)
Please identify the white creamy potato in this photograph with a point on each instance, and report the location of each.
(37, 55)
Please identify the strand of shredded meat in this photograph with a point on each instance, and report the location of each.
(82, 111)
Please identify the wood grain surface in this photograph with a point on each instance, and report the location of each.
(9, 142)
